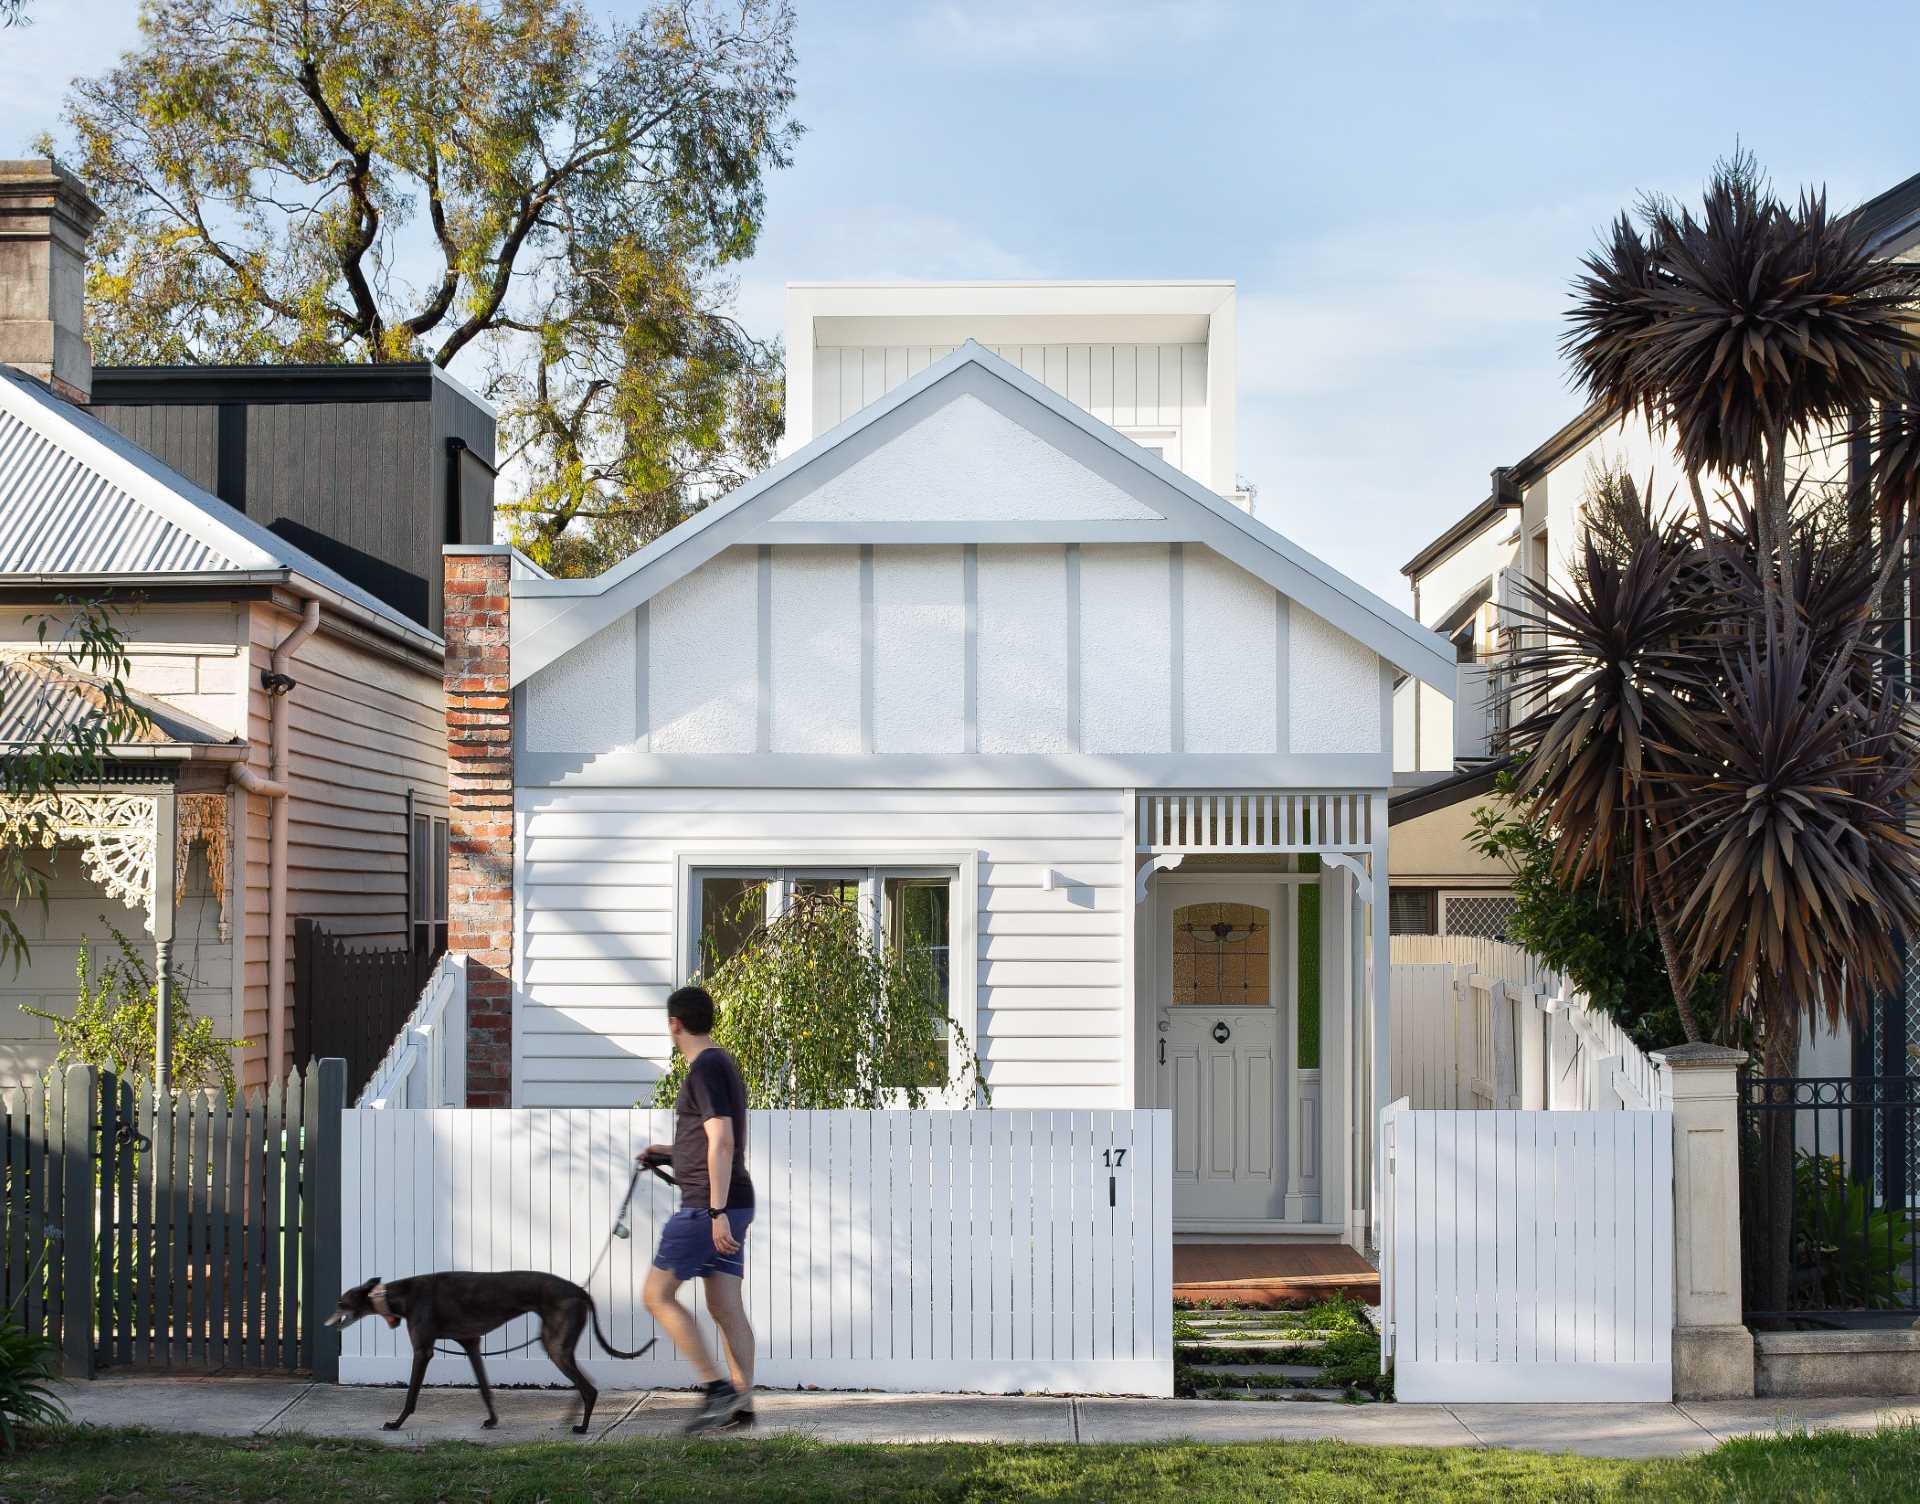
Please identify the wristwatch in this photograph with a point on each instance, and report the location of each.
(716, 1212)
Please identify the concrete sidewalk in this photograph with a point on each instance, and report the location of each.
(265, 1407)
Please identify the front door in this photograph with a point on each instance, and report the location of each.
(1224, 987)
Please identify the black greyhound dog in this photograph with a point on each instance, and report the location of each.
(463, 1308)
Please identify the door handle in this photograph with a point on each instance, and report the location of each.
(1163, 1052)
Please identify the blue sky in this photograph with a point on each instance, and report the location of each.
(1402, 190)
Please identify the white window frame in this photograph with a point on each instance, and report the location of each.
(785, 865)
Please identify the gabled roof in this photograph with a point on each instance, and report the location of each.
(78, 499)
(551, 617)
(43, 698)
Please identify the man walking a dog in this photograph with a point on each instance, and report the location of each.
(703, 1240)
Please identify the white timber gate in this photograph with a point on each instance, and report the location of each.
(991, 1251)
(1528, 1256)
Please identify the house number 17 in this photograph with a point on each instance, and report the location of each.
(1113, 1158)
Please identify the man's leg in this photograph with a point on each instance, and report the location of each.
(678, 1323)
(729, 1312)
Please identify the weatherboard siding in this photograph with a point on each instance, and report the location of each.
(600, 920)
(365, 729)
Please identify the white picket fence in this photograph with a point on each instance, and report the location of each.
(426, 1066)
(989, 1251)
(1528, 1230)
(1530, 1255)
(1481, 1024)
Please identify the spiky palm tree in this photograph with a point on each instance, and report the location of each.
(1741, 332)
(1610, 670)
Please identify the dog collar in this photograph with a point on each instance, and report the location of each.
(377, 1298)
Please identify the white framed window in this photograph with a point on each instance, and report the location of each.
(923, 902)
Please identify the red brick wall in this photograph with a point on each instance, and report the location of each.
(480, 799)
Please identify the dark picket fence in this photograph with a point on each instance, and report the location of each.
(350, 1000)
(175, 1231)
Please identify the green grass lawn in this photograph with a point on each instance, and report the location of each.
(130, 1466)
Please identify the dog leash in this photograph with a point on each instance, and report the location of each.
(620, 1230)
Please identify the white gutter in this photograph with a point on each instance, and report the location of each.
(275, 788)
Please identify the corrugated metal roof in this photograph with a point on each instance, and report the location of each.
(77, 498)
(61, 516)
(43, 698)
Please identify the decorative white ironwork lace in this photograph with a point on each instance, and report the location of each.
(116, 837)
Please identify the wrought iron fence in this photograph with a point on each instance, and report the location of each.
(1827, 1199)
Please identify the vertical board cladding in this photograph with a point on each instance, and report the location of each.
(367, 726)
(480, 803)
(1159, 391)
(601, 913)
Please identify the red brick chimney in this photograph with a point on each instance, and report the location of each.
(480, 805)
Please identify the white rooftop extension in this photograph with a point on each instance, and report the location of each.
(908, 469)
(1153, 360)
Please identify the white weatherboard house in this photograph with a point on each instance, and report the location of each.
(989, 645)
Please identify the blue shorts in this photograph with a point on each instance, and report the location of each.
(686, 1244)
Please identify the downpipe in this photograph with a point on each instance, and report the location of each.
(279, 685)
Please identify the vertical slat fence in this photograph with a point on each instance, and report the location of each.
(993, 1251)
(177, 1232)
(1529, 1255)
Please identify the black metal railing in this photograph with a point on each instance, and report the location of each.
(1827, 1199)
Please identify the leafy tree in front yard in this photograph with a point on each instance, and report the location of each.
(557, 193)
(822, 1014)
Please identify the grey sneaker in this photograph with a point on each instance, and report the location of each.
(721, 1408)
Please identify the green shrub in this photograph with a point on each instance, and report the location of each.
(27, 1377)
(1846, 1254)
(821, 1014)
(112, 1025)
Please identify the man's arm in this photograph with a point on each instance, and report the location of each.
(720, 1178)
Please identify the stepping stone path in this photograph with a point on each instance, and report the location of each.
(1259, 1336)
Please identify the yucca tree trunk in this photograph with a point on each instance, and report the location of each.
(1680, 983)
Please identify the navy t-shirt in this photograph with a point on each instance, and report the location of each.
(713, 1089)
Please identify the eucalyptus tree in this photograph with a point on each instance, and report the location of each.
(556, 196)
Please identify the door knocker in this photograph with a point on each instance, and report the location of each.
(1221, 1033)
